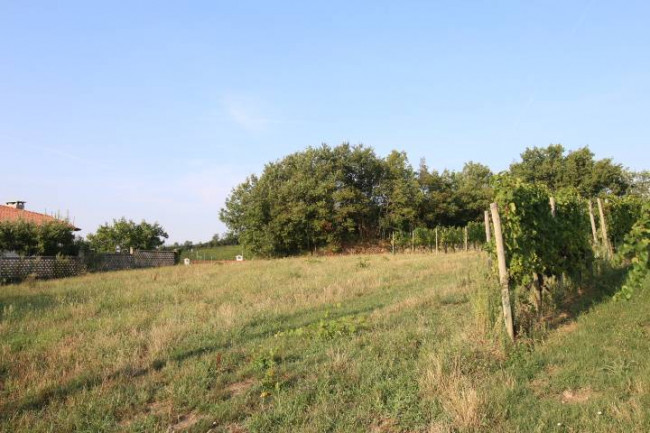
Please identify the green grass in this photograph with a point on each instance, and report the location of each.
(226, 252)
(374, 343)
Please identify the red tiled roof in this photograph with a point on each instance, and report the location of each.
(8, 213)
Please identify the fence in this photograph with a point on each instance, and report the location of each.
(14, 269)
(19, 268)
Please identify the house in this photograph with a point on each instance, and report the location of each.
(15, 211)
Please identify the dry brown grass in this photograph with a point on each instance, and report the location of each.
(576, 395)
(457, 393)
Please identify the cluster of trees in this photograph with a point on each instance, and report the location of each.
(56, 237)
(217, 240)
(48, 239)
(343, 195)
(127, 234)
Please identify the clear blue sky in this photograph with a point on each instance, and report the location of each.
(156, 110)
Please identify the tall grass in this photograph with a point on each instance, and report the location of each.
(375, 343)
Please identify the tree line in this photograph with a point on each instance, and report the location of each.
(333, 197)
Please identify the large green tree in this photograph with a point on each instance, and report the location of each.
(343, 195)
(399, 194)
(321, 196)
(127, 234)
(554, 167)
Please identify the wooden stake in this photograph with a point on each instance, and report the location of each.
(593, 222)
(503, 272)
(603, 228)
(436, 240)
(552, 203)
(537, 284)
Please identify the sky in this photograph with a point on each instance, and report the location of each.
(156, 110)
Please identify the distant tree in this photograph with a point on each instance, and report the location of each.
(578, 169)
(228, 238)
(56, 237)
(399, 194)
(321, 196)
(454, 198)
(473, 194)
(343, 195)
(541, 165)
(640, 183)
(127, 234)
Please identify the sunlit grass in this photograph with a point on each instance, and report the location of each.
(358, 343)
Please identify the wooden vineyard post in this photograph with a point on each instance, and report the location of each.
(436, 240)
(603, 228)
(488, 236)
(466, 246)
(552, 203)
(392, 242)
(503, 272)
(593, 222)
(486, 215)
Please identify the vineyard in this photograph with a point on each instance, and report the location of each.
(547, 246)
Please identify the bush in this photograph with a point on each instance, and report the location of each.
(28, 239)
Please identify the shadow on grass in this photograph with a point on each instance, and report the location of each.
(19, 305)
(260, 328)
(605, 282)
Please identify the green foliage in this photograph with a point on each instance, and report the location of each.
(450, 237)
(127, 234)
(328, 328)
(536, 242)
(640, 184)
(636, 251)
(47, 239)
(476, 232)
(551, 167)
(622, 213)
(334, 197)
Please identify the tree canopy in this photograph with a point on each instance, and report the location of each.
(337, 196)
(347, 194)
(47, 239)
(554, 167)
(127, 234)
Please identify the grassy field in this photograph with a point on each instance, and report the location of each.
(356, 343)
(226, 252)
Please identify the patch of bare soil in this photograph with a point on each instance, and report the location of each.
(184, 422)
(384, 425)
(158, 408)
(567, 328)
(236, 428)
(239, 388)
(577, 396)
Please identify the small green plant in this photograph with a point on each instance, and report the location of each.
(266, 360)
(327, 329)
